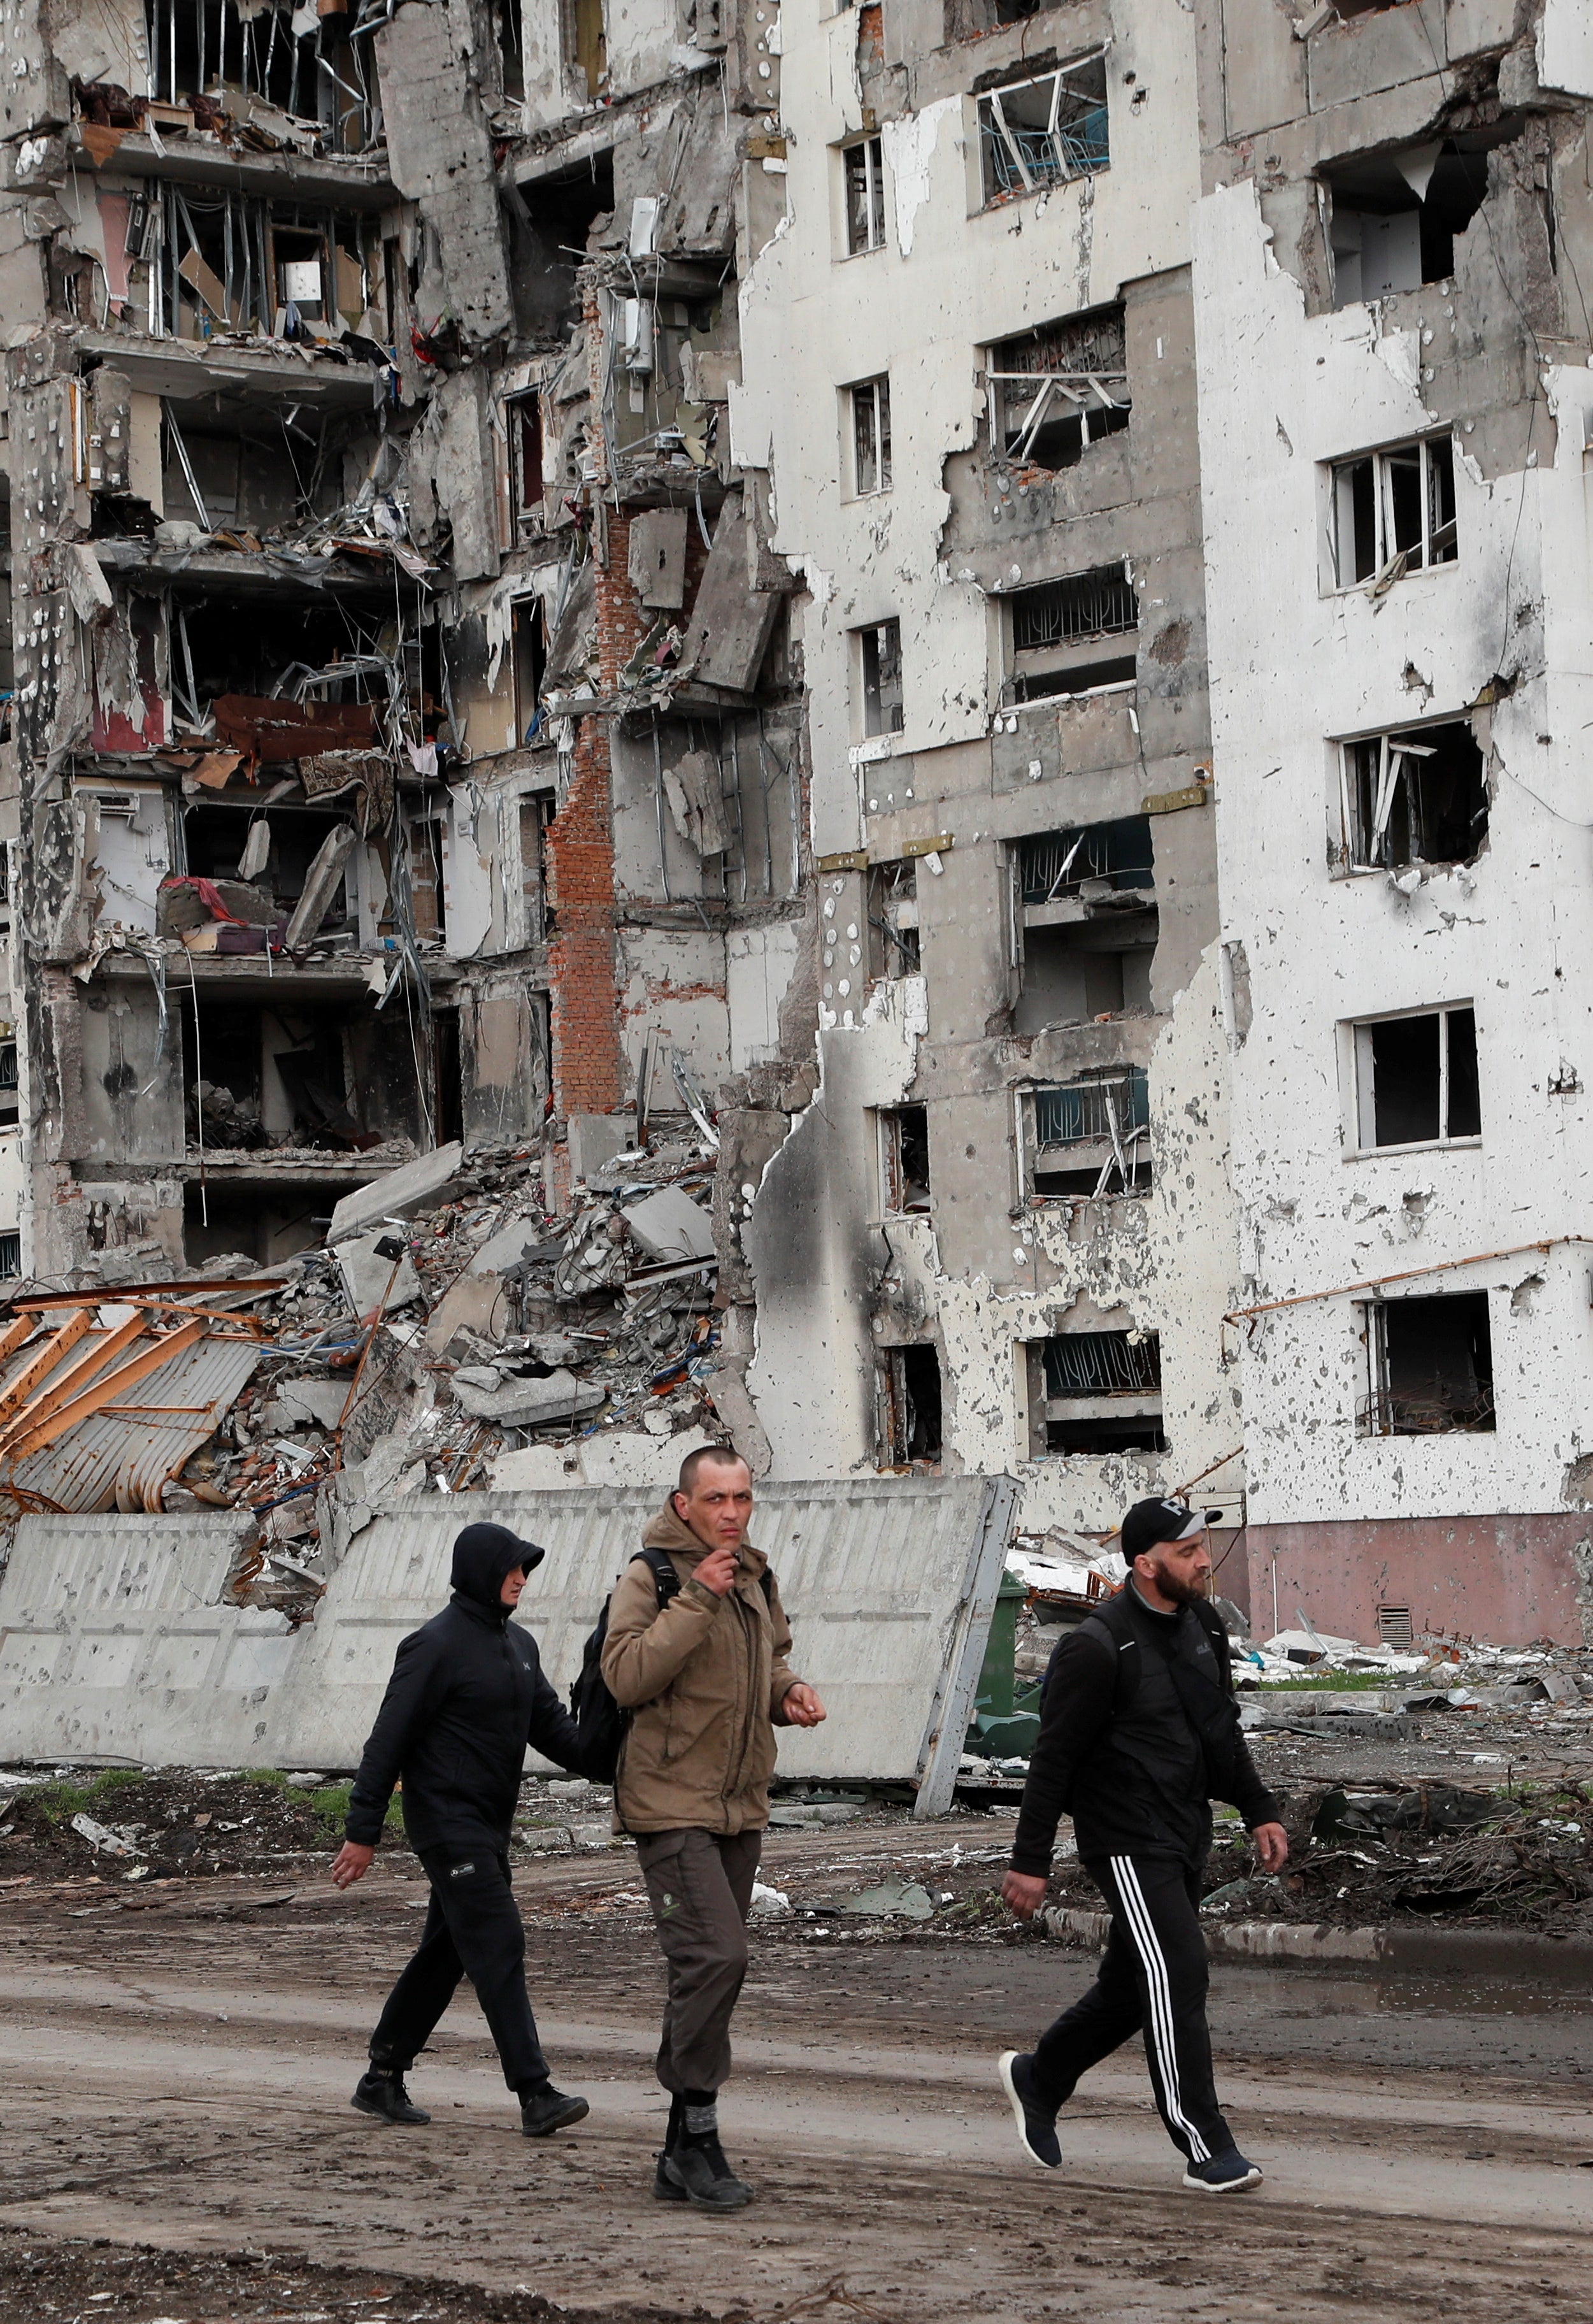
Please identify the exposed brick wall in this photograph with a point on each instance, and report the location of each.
(588, 1064)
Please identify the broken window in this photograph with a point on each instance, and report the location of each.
(1431, 1362)
(10, 1254)
(1057, 388)
(533, 867)
(205, 54)
(1089, 1136)
(1042, 132)
(909, 1406)
(587, 38)
(1416, 1079)
(1394, 511)
(529, 656)
(1417, 797)
(8, 1085)
(1095, 1393)
(1055, 627)
(904, 1158)
(234, 262)
(864, 168)
(1088, 923)
(893, 920)
(1101, 859)
(1396, 215)
(870, 436)
(523, 418)
(551, 224)
(880, 649)
(512, 46)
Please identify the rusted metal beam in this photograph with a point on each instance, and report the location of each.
(94, 1358)
(44, 1360)
(45, 1429)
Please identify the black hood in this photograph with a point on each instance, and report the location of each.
(483, 1555)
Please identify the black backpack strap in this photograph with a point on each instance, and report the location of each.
(662, 1567)
(765, 1584)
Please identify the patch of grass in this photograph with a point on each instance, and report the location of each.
(273, 1776)
(58, 1803)
(331, 1804)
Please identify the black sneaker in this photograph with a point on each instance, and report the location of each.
(699, 2171)
(1037, 2124)
(1223, 2174)
(385, 2096)
(546, 2110)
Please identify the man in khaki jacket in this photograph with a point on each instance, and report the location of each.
(706, 1680)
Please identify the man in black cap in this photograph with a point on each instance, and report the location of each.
(467, 1696)
(1138, 1728)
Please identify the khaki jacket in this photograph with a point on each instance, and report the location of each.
(705, 1680)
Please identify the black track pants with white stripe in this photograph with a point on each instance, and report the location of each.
(1152, 1978)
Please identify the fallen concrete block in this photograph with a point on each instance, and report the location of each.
(371, 1280)
(668, 1225)
(417, 1186)
(596, 1138)
(320, 1400)
(532, 1402)
(468, 1305)
(507, 1248)
(727, 1392)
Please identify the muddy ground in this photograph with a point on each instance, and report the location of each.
(176, 2141)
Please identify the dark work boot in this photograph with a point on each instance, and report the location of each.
(381, 2091)
(696, 2165)
(667, 2189)
(543, 2110)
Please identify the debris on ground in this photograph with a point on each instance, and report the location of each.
(43, 2275)
(454, 1334)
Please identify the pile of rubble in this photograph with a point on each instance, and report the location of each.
(454, 1334)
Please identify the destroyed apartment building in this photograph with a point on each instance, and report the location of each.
(807, 724)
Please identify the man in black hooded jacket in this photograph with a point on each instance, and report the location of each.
(466, 1698)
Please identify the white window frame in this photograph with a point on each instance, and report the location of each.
(1425, 557)
(994, 130)
(871, 397)
(872, 148)
(1363, 1116)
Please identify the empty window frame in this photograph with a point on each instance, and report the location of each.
(1417, 797)
(904, 1158)
(1088, 1138)
(1057, 388)
(1416, 1079)
(1044, 130)
(1096, 1393)
(870, 406)
(1396, 216)
(533, 816)
(522, 416)
(8, 1085)
(893, 920)
(863, 170)
(512, 46)
(528, 651)
(10, 1254)
(880, 666)
(1394, 509)
(907, 1388)
(1431, 1367)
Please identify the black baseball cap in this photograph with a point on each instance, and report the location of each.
(1153, 1521)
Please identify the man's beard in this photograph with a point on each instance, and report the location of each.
(1173, 1585)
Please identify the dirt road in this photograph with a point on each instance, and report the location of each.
(178, 2064)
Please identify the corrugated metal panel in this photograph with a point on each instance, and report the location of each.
(890, 1583)
(120, 1457)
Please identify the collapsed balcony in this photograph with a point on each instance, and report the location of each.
(1089, 923)
(268, 65)
(1057, 389)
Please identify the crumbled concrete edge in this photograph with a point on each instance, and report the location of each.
(1419, 1952)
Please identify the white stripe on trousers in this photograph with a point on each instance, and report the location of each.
(1137, 1912)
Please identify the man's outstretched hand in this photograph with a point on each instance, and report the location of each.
(1024, 1892)
(351, 1863)
(1272, 1846)
(802, 1706)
